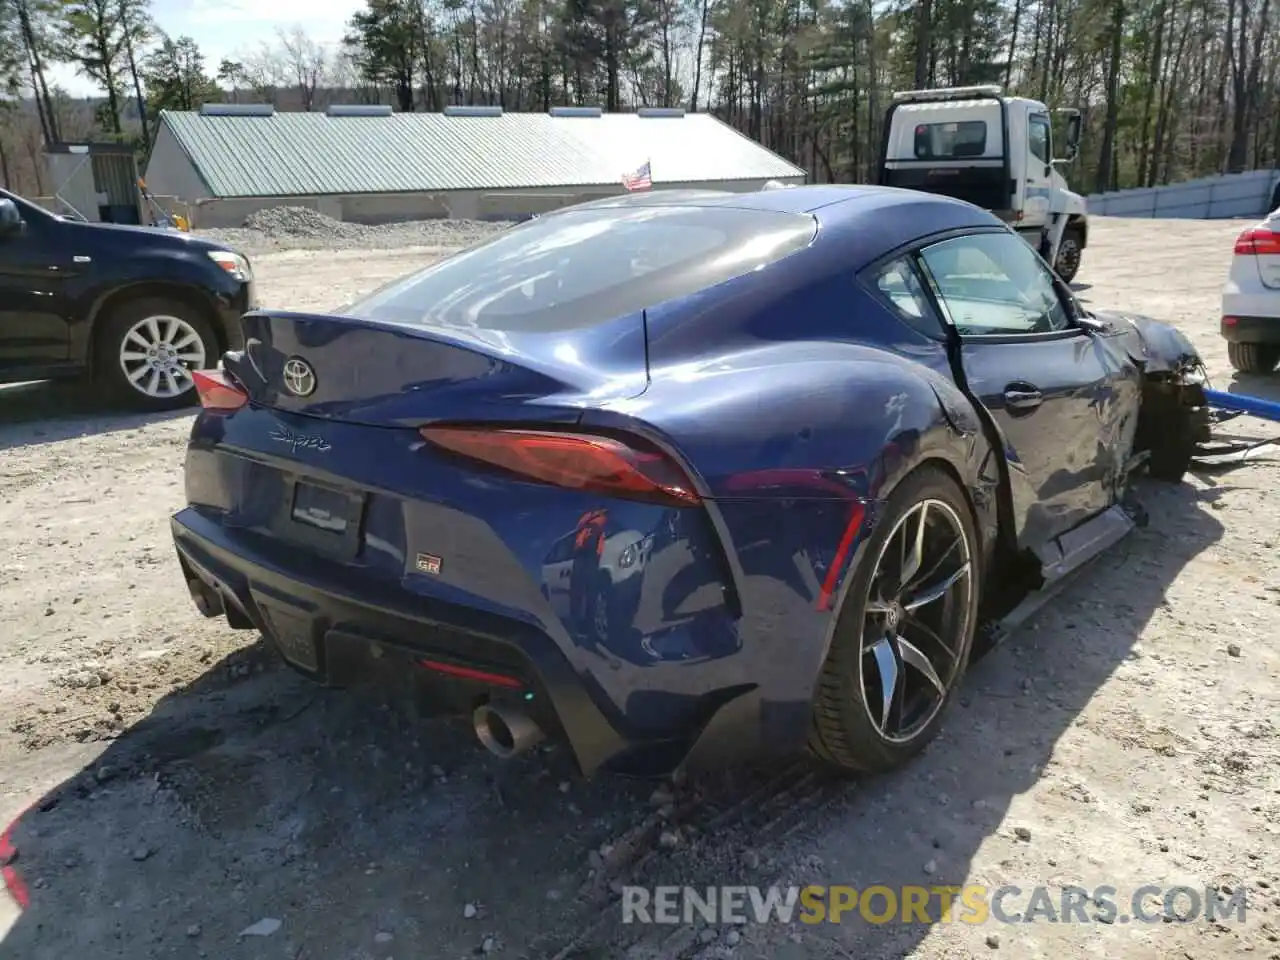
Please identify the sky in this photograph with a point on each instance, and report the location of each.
(223, 28)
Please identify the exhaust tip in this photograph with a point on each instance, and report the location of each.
(505, 731)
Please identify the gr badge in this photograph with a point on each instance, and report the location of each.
(426, 563)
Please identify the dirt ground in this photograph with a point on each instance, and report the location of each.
(174, 793)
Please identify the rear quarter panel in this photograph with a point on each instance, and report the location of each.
(797, 446)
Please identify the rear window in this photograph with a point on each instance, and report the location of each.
(951, 141)
(581, 267)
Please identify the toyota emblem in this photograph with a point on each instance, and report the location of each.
(299, 378)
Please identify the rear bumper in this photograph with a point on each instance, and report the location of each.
(1238, 329)
(324, 630)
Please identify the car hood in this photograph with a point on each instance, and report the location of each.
(159, 236)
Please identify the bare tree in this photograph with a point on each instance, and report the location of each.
(306, 61)
(264, 70)
(342, 71)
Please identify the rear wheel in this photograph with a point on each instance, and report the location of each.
(146, 350)
(1253, 357)
(904, 633)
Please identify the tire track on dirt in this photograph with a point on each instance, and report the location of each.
(709, 834)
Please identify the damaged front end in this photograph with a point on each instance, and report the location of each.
(1174, 419)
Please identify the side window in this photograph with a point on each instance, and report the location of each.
(994, 284)
(1040, 148)
(900, 288)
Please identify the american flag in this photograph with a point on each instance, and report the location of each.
(642, 179)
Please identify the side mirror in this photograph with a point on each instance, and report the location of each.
(10, 219)
(1075, 126)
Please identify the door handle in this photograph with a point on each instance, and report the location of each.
(1022, 398)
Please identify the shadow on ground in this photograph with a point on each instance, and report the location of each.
(927, 825)
(1265, 386)
(356, 827)
(49, 411)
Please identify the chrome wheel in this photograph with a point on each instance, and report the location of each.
(916, 620)
(157, 355)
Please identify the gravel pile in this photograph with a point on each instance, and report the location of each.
(301, 228)
(281, 222)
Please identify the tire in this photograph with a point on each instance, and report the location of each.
(1170, 427)
(1253, 357)
(1172, 450)
(121, 352)
(1070, 252)
(845, 735)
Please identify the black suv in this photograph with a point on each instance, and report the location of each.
(135, 308)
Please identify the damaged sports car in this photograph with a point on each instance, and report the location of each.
(682, 477)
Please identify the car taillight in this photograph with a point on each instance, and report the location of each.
(1258, 242)
(601, 464)
(218, 392)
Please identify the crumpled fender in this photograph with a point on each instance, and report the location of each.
(1154, 345)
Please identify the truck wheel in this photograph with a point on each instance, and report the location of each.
(1070, 251)
(146, 349)
(1253, 357)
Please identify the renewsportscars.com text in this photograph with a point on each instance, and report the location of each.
(974, 904)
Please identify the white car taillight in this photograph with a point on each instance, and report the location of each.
(1259, 241)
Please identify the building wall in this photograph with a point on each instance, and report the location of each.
(379, 208)
(72, 175)
(171, 173)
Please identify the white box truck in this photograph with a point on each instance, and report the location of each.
(976, 144)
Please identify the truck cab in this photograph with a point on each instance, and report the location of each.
(996, 152)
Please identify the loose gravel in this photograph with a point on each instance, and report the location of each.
(186, 797)
(274, 229)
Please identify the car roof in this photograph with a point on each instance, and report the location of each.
(866, 220)
(807, 199)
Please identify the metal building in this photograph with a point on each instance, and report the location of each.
(96, 181)
(366, 164)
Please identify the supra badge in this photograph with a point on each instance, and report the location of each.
(299, 441)
(426, 563)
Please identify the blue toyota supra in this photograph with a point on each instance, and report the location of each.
(681, 476)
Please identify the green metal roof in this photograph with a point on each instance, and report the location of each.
(310, 154)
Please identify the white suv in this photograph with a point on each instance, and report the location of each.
(1251, 299)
